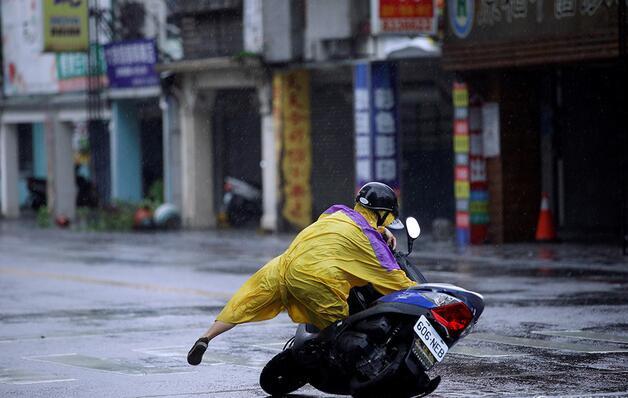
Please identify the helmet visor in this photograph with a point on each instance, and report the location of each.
(396, 224)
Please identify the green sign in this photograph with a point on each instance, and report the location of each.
(73, 65)
(65, 25)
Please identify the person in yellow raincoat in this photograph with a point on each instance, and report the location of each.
(311, 280)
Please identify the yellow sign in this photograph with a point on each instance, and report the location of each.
(461, 143)
(66, 25)
(462, 189)
(461, 95)
(292, 115)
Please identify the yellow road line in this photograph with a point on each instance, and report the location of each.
(111, 282)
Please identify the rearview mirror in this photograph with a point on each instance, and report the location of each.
(414, 230)
(412, 225)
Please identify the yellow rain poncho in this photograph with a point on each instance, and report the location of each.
(312, 278)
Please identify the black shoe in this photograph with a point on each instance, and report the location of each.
(198, 349)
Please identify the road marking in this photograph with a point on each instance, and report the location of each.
(482, 352)
(105, 365)
(545, 344)
(600, 394)
(24, 377)
(272, 347)
(111, 282)
(581, 334)
(204, 393)
(101, 332)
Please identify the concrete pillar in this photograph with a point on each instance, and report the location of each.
(172, 150)
(9, 171)
(270, 166)
(196, 157)
(126, 153)
(40, 164)
(61, 179)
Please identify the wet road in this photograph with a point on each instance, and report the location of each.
(114, 315)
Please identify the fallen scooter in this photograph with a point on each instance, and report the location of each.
(386, 345)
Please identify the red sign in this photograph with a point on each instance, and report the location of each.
(407, 16)
(462, 219)
(462, 173)
(461, 127)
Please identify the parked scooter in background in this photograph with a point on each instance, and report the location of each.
(86, 194)
(242, 202)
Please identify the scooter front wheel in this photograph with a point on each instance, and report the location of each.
(282, 374)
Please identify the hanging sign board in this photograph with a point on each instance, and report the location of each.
(490, 129)
(131, 63)
(462, 186)
(478, 199)
(26, 70)
(376, 123)
(65, 25)
(409, 17)
(291, 100)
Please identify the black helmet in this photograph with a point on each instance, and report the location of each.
(378, 196)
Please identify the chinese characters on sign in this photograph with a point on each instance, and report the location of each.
(131, 64)
(72, 69)
(492, 12)
(405, 16)
(478, 199)
(462, 186)
(65, 25)
(291, 102)
(376, 124)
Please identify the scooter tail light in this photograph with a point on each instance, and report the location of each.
(454, 317)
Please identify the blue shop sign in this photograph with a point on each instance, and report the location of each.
(131, 63)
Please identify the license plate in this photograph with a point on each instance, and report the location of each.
(424, 329)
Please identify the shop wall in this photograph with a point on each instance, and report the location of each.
(333, 164)
(514, 178)
(127, 162)
(426, 142)
(589, 151)
(237, 139)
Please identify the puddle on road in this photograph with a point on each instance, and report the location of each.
(20, 376)
(133, 313)
(482, 352)
(547, 344)
(581, 334)
(218, 356)
(106, 365)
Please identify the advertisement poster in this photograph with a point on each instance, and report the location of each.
(478, 200)
(26, 69)
(376, 124)
(490, 127)
(462, 183)
(131, 63)
(65, 25)
(404, 17)
(291, 92)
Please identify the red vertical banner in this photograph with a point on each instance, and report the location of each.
(478, 198)
(462, 189)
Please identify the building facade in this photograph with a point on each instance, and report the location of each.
(555, 73)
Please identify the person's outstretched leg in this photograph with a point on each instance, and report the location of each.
(198, 349)
(258, 299)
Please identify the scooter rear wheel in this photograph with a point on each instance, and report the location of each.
(282, 374)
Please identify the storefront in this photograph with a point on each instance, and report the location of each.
(552, 72)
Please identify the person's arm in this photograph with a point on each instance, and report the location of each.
(389, 238)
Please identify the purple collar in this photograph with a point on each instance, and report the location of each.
(382, 252)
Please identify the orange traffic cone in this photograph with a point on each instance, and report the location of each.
(545, 228)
